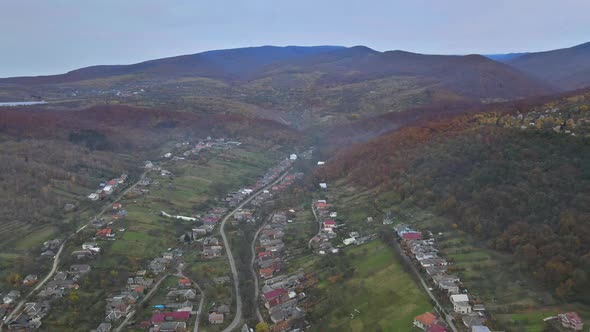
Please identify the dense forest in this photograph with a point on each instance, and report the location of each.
(526, 192)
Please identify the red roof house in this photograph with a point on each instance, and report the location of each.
(104, 232)
(412, 236)
(184, 282)
(425, 320)
(571, 320)
(273, 293)
(267, 272)
(174, 316)
(437, 328)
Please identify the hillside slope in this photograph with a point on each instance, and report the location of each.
(522, 191)
(471, 75)
(567, 68)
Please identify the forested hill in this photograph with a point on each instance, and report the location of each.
(520, 181)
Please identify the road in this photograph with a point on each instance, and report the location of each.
(57, 256)
(439, 307)
(147, 296)
(200, 310)
(254, 275)
(319, 225)
(238, 317)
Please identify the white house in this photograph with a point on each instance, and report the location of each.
(293, 156)
(461, 303)
(349, 241)
(93, 197)
(320, 163)
(323, 185)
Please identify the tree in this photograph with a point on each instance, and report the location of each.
(13, 278)
(262, 327)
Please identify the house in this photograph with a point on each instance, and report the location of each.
(103, 327)
(173, 316)
(215, 318)
(447, 282)
(105, 233)
(412, 235)
(437, 328)
(183, 282)
(571, 320)
(471, 320)
(30, 280)
(116, 206)
(323, 185)
(480, 328)
(172, 326)
(425, 320)
(12, 296)
(349, 241)
(82, 254)
(91, 245)
(293, 157)
(266, 272)
(93, 197)
(433, 262)
(329, 225)
(80, 268)
(461, 303)
(185, 294)
(267, 296)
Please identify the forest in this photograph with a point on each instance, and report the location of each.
(526, 192)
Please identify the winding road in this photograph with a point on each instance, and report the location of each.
(238, 316)
(319, 225)
(254, 275)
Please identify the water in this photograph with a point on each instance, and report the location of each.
(21, 103)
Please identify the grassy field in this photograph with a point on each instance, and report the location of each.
(386, 296)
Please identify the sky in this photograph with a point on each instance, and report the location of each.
(48, 37)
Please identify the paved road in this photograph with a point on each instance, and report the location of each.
(319, 224)
(238, 316)
(200, 310)
(147, 296)
(439, 307)
(254, 275)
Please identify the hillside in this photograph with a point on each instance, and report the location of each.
(516, 179)
(53, 157)
(226, 64)
(300, 86)
(566, 69)
(471, 75)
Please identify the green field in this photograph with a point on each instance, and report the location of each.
(386, 296)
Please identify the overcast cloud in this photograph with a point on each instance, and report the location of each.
(48, 37)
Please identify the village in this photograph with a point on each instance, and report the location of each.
(447, 287)
(143, 283)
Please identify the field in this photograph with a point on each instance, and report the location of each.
(384, 294)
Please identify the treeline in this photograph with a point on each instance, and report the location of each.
(523, 192)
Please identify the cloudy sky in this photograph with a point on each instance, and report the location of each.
(48, 37)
